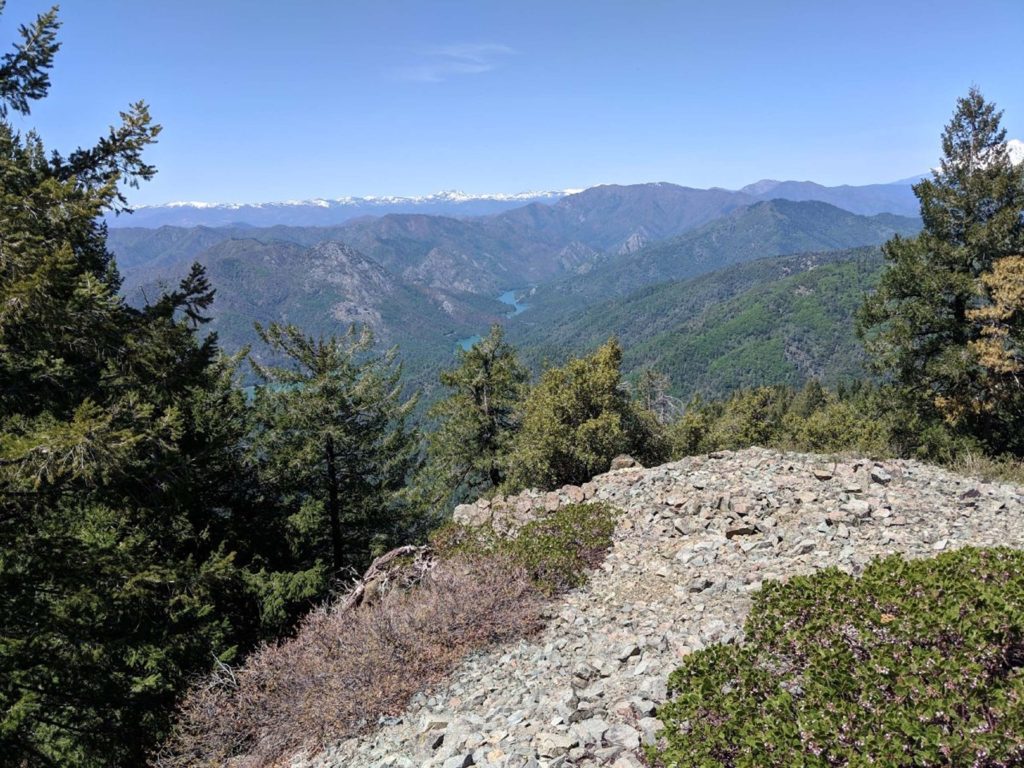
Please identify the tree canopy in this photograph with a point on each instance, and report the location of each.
(576, 420)
(475, 422)
(939, 324)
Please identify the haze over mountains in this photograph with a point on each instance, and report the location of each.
(426, 281)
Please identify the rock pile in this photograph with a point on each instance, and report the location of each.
(694, 540)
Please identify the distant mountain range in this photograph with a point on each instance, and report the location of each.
(867, 200)
(717, 288)
(770, 228)
(426, 282)
(323, 212)
(896, 198)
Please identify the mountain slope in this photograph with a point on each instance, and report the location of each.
(769, 228)
(782, 332)
(323, 289)
(778, 320)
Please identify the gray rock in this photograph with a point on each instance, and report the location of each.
(554, 744)
(622, 461)
(649, 727)
(879, 475)
(804, 547)
(623, 735)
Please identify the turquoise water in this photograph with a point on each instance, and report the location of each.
(468, 342)
(507, 297)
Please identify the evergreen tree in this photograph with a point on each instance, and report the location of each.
(926, 324)
(115, 581)
(475, 422)
(576, 420)
(332, 448)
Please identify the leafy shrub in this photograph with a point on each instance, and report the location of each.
(752, 417)
(555, 551)
(558, 550)
(576, 420)
(690, 434)
(914, 664)
(840, 425)
(863, 418)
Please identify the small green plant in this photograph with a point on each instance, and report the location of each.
(917, 663)
(556, 551)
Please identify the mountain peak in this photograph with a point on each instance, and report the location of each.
(762, 187)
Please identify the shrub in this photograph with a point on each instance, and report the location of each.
(555, 551)
(558, 550)
(751, 417)
(346, 668)
(576, 420)
(915, 664)
(690, 434)
(840, 425)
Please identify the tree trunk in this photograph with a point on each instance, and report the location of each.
(333, 513)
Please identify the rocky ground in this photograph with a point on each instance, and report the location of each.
(695, 539)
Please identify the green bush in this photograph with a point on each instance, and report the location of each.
(556, 551)
(576, 420)
(914, 664)
(751, 417)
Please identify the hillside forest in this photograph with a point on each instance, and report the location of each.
(180, 485)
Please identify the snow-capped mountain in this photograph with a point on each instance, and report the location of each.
(327, 212)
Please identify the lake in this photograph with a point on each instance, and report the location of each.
(506, 297)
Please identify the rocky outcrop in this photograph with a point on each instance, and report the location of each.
(695, 539)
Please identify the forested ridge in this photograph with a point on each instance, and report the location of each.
(160, 520)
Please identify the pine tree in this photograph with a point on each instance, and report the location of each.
(922, 326)
(475, 422)
(998, 345)
(332, 448)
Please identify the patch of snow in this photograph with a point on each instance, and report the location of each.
(446, 196)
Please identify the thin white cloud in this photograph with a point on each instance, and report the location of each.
(440, 63)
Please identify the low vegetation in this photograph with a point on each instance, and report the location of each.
(556, 551)
(865, 419)
(913, 664)
(348, 666)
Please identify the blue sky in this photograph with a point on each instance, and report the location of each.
(326, 98)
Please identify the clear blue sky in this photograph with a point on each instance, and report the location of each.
(270, 100)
